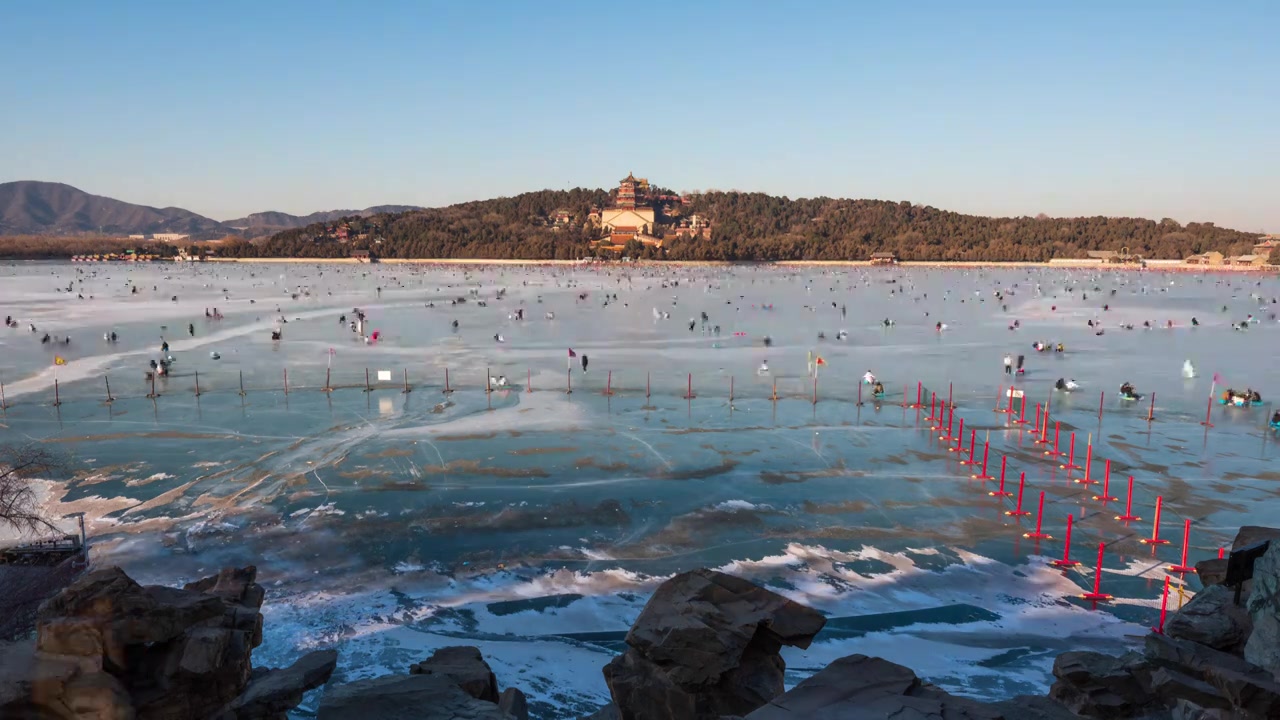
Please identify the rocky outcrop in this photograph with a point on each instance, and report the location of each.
(1214, 659)
(107, 647)
(1263, 647)
(1212, 618)
(858, 687)
(1101, 686)
(706, 645)
(455, 682)
(465, 667)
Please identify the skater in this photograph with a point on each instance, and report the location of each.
(584, 362)
(191, 329)
(1008, 364)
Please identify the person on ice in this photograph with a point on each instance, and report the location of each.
(1008, 364)
(584, 362)
(868, 378)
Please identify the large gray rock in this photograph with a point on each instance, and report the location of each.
(105, 611)
(1263, 647)
(1250, 691)
(405, 697)
(858, 687)
(1193, 658)
(1212, 618)
(271, 694)
(1101, 686)
(706, 645)
(466, 667)
(1169, 683)
(111, 649)
(1250, 534)
(514, 703)
(1212, 571)
(1251, 694)
(1187, 710)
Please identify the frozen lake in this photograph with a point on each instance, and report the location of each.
(534, 524)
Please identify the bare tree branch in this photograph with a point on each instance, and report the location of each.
(19, 503)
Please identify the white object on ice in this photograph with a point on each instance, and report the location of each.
(1188, 370)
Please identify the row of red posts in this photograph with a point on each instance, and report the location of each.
(1040, 431)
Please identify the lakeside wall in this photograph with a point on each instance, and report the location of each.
(1068, 263)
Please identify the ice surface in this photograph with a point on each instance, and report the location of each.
(535, 525)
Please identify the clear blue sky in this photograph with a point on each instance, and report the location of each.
(1119, 107)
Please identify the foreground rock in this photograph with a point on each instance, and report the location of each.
(1263, 647)
(1212, 618)
(1215, 659)
(706, 645)
(858, 687)
(455, 682)
(107, 647)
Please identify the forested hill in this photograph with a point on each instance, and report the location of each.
(750, 226)
(758, 225)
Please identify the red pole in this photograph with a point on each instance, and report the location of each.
(1101, 397)
(1004, 460)
(959, 438)
(1000, 397)
(568, 382)
(1105, 497)
(1022, 417)
(1221, 552)
(1071, 455)
(1155, 538)
(1183, 568)
(1037, 535)
(689, 395)
(973, 442)
(986, 450)
(446, 382)
(1088, 467)
(1097, 594)
(933, 406)
(1066, 561)
(1128, 515)
(1018, 511)
(1207, 411)
(950, 404)
(1036, 428)
(1164, 607)
(1057, 433)
(1151, 413)
(528, 383)
(1047, 402)
(608, 385)
(919, 395)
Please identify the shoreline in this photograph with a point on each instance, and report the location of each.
(1070, 264)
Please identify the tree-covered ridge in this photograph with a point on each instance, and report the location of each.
(759, 226)
(746, 226)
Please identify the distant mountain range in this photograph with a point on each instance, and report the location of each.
(266, 223)
(30, 207)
